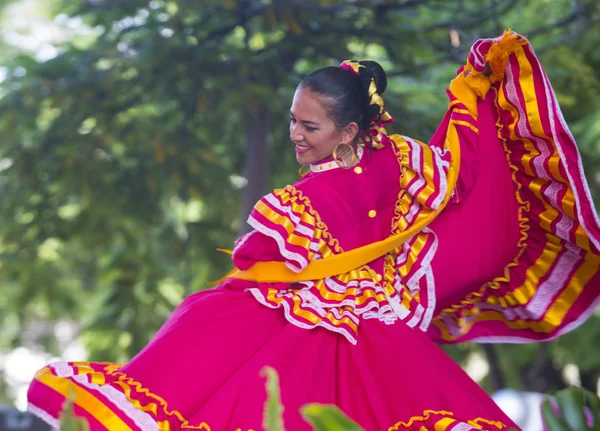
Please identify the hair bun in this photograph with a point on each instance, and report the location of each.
(378, 74)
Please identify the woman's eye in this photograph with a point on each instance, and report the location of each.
(309, 129)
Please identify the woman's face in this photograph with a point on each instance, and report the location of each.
(313, 132)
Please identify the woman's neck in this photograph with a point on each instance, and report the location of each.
(329, 163)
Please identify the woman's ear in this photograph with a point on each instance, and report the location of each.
(350, 132)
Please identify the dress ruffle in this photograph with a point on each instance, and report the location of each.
(423, 186)
(288, 217)
(445, 421)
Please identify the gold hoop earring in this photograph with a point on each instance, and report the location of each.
(344, 155)
(303, 174)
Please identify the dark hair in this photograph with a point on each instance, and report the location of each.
(345, 94)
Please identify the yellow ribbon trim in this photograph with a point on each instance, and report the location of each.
(272, 272)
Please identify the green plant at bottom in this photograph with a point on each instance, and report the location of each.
(328, 418)
(572, 409)
(322, 417)
(273, 413)
(68, 420)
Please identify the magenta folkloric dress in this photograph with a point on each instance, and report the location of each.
(514, 256)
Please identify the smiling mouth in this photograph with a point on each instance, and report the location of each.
(301, 149)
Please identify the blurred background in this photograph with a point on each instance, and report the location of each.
(136, 135)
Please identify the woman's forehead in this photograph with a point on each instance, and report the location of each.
(307, 104)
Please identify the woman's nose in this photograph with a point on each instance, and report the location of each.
(295, 134)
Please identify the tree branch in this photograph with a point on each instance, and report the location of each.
(583, 11)
(408, 4)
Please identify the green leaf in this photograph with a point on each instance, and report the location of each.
(552, 421)
(273, 414)
(593, 403)
(68, 420)
(328, 418)
(572, 406)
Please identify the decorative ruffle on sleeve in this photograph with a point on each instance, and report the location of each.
(288, 218)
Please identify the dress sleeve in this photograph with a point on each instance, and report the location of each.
(552, 284)
(284, 229)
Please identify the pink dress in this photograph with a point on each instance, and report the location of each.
(513, 257)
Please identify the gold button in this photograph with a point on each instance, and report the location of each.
(358, 170)
(372, 213)
(378, 277)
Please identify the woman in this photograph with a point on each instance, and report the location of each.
(349, 274)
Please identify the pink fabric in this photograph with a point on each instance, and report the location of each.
(205, 362)
(353, 208)
(392, 374)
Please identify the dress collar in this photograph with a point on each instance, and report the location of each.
(329, 163)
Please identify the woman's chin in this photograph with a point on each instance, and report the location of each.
(303, 159)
